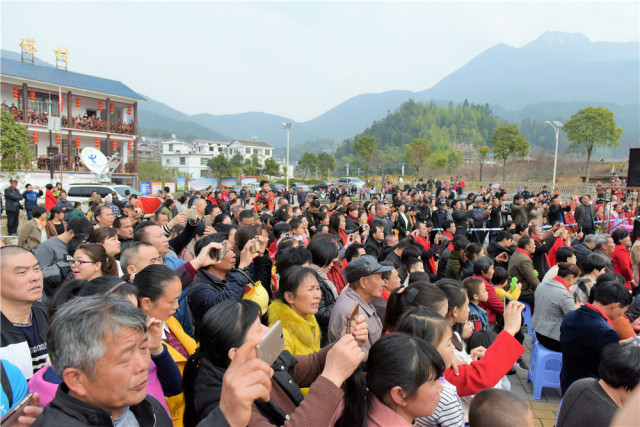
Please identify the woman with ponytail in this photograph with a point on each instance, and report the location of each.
(401, 384)
(230, 324)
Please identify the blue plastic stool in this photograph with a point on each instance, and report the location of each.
(526, 316)
(544, 369)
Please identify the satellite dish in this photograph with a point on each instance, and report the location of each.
(94, 160)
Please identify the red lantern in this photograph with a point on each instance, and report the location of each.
(129, 110)
(16, 93)
(111, 107)
(77, 142)
(58, 139)
(32, 95)
(115, 146)
(129, 145)
(99, 105)
(36, 137)
(78, 103)
(98, 143)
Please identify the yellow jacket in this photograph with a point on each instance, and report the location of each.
(500, 292)
(176, 403)
(301, 334)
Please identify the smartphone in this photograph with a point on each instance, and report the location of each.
(190, 213)
(507, 300)
(12, 416)
(635, 341)
(256, 247)
(352, 316)
(272, 344)
(218, 254)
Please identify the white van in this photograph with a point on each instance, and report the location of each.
(82, 192)
(348, 182)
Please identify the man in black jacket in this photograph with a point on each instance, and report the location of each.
(583, 249)
(23, 321)
(110, 389)
(12, 206)
(375, 242)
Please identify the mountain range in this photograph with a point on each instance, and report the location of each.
(549, 78)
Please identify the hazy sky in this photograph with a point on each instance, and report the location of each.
(296, 59)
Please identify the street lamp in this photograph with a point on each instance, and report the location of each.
(556, 125)
(287, 127)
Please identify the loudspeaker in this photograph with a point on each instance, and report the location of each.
(633, 177)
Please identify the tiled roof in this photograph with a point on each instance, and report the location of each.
(67, 79)
(252, 143)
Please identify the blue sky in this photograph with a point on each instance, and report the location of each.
(296, 59)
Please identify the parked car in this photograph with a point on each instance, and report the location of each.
(349, 181)
(277, 189)
(300, 185)
(253, 188)
(82, 192)
(322, 186)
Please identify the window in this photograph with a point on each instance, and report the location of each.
(220, 149)
(247, 150)
(210, 148)
(170, 147)
(167, 161)
(255, 151)
(204, 161)
(182, 161)
(267, 152)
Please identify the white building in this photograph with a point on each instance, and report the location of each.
(211, 148)
(247, 148)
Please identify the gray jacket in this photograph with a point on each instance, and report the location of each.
(553, 302)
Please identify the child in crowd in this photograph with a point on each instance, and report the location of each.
(477, 292)
(500, 282)
(412, 265)
(499, 408)
(298, 231)
(436, 330)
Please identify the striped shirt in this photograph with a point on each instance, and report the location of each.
(449, 412)
(37, 348)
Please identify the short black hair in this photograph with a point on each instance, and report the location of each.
(289, 257)
(564, 253)
(139, 233)
(352, 251)
(39, 211)
(245, 214)
(611, 292)
(263, 182)
(620, 365)
(323, 252)
(279, 228)
(591, 263)
(503, 234)
(77, 204)
(80, 225)
(524, 241)
(494, 407)
(446, 225)
(500, 276)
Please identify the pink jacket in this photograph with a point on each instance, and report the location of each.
(47, 390)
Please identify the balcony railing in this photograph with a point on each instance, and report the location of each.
(78, 122)
(60, 164)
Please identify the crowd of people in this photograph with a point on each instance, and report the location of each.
(401, 309)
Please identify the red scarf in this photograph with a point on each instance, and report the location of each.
(592, 307)
(559, 280)
(425, 244)
(522, 251)
(450, 236)
(343, 235)
(49, 200)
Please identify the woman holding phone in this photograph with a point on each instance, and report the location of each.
(226, 327)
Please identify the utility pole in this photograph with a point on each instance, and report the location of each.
(402, 166)
(347, 169)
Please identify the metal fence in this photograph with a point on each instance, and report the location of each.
(565, 188)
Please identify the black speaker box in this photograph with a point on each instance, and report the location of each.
(633, 178)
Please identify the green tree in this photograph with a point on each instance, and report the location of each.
(366, 147)
(483, 151)
(326, 163)
(237, 161)
(507, 141)
(154, 171)
(15, 146)
(220, 167)
(417, 154)
(308, 163)
(271, 167)
(589, 128)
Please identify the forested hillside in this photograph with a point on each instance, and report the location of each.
(440, 125)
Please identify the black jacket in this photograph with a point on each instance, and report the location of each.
(327, 301)
(540, 255)
(12, 199)
(67, 411)
(207, 388)
(352, 225)
(442, 263)
(12, 336)
(373, 247)
(460, 219)
(494, 249)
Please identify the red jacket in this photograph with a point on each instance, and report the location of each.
(552, 252)
(336, 275)
(269, 198)
(622, 262)
(487, 372)
(493, 305)
(49, 200)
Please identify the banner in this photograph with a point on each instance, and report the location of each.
(145, 188)
(171, 185)
(181, 184)
(155, 187)
(202, 183)
(248, 180)
(229, 182)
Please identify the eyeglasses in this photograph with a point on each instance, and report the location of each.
(79, 262)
